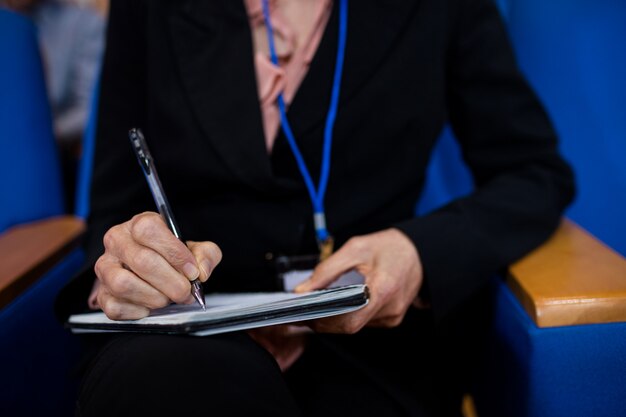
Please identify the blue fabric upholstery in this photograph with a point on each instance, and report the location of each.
(447, 177)
(30, 178)
(573, 53)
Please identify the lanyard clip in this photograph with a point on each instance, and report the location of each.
(325, 241)
(326, 247)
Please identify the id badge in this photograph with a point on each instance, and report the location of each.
(293, 270)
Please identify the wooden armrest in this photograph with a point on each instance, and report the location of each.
(572, 279)
(31, 249)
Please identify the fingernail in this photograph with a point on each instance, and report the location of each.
(191, 271)
(206, 267)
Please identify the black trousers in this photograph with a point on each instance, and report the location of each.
(377, 372)
(227, 375)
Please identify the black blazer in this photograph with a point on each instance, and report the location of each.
(183, 71)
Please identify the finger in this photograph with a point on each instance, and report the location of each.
(207, 255)
(125, 285)
(389, 315)
(349, 323)
(150, 266)
(116, 309)
(346, 258)
(148, 229)
(92, 301)
(391, 300)
(386, 322)
(378, 310)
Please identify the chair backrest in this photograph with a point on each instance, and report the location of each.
(30, 178)
(573, 54)
(447, 177)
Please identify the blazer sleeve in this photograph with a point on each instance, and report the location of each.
(117, 187)
(522, 184)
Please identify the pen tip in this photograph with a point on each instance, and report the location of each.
(198, 294)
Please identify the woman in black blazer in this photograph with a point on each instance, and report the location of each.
(183, 71)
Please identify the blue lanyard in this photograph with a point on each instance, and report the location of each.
(317, 195)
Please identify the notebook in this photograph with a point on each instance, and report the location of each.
(232, 312)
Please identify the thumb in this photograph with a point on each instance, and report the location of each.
(207, 255)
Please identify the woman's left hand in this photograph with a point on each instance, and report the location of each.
(391, 265)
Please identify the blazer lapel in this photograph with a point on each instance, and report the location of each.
(373, 26)
(213, 49)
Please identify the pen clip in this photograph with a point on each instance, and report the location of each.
(141, 149)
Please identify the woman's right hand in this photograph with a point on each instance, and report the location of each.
(144, 266)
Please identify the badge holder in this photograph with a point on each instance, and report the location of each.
(293, 270)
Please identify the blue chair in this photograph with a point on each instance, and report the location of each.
(38, 244)
(24, 116)
(572, 53)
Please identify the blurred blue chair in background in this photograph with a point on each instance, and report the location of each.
(30, 184)
(573, 53)
(37, 243)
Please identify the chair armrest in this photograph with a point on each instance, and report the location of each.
(572, 279)
(29, 250)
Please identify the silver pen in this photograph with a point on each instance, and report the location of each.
(146, 162)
